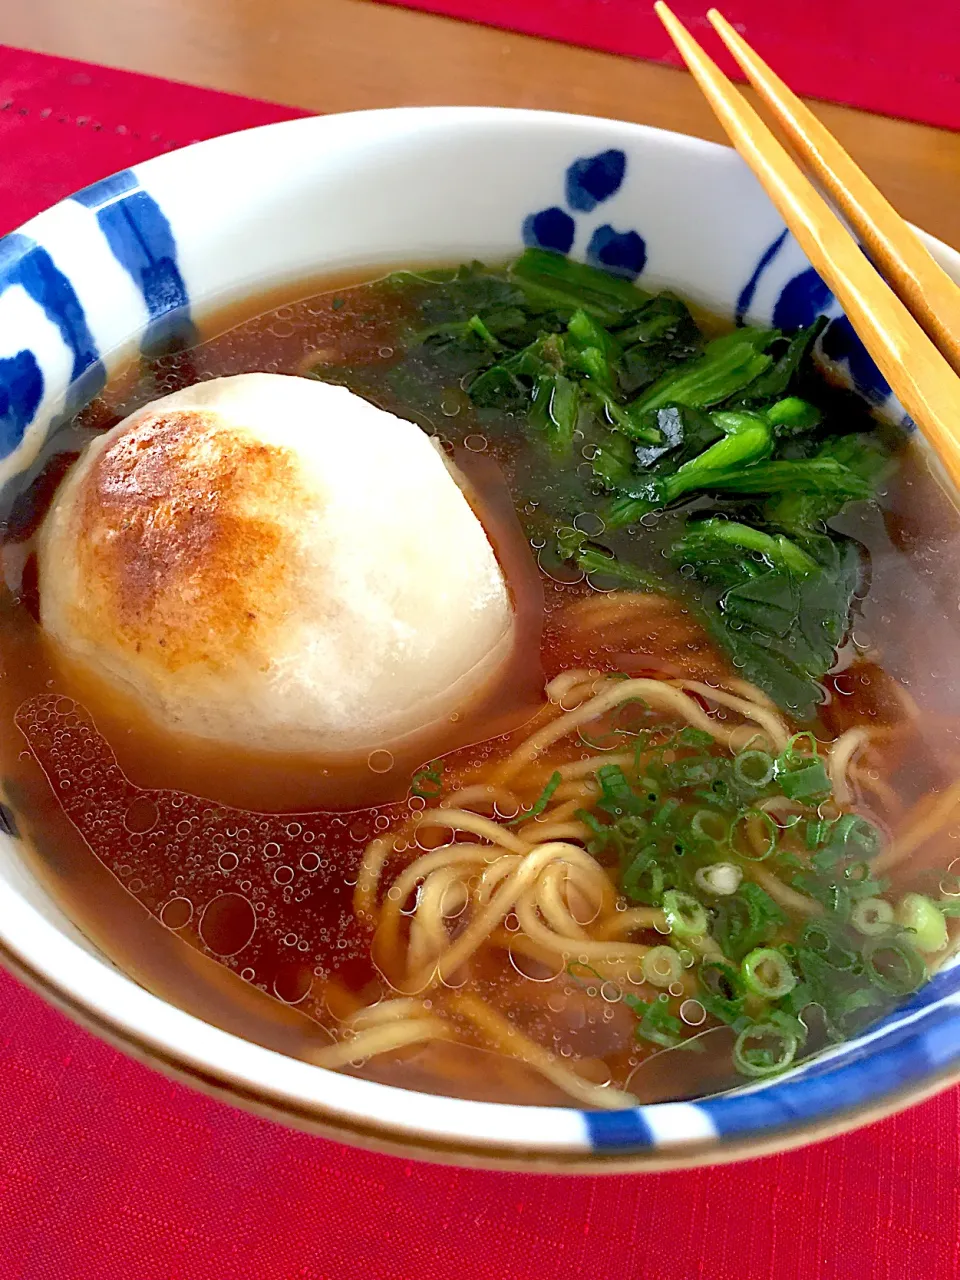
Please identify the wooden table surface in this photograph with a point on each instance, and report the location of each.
(341, 55)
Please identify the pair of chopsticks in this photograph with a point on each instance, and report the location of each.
(908, 318)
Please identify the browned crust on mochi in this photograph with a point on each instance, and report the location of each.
(180, 553)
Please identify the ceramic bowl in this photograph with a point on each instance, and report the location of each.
(130, 262)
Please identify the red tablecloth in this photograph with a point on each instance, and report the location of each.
(110, 1172)
(882, 55)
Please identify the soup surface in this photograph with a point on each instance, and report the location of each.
(706, 822)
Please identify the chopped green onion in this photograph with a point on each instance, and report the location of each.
(926, 921)
(720, 878)
(695, 771)
(825, 942)
(767, 973)
(427, 783)
(872, 916)
(601, 831)
(721, 991)
(616, 794)
(685, 916)
(793, 757)
(666, 813)
(690, 737)
(808, 782)
(755, 769)
(710, 827)
(787, 1022)
(657, 1024)
(643, 879)
(648, 790)
(747, 919)
(856, 835)
(894, 965)
(540, 803)
(575, 967)
(764, 1048)
(741, 842)
(818, 832)
(858, 873)
(662, 966)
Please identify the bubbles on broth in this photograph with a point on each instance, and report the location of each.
(380, 761)
(208, 872)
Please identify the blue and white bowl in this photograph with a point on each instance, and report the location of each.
(135, 259)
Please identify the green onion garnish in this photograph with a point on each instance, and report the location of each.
(720, 878)
(685, 916)
(690, 737)
(764, 1048)
(616, 794)
(721, 991)
(643, 879)
(826, 943)
(894, 965)
(747, 919)
(427, 783)
(767, 973)
(710, 827)
(818, 832)
(541, 802)
(657, 1024)
(808, 782)
(662, 966)
(872, 916)
(740, 839)
(858, 837)
(925, 920)
(799, 751)
(754, 769)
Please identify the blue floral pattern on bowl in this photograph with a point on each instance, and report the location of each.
(590, 180)
(139, 237)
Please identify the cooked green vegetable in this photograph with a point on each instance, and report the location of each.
(727, 366)
(552, 282)
(747, 438)
(732, 448)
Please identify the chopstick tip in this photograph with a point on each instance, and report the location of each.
(667, 16)
(718, 21)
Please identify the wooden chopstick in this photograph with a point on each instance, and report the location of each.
(923, 381)
(919, 282)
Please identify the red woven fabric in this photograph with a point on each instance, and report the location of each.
(881, 55)
(109, 1171)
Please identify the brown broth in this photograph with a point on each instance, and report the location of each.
(221, 879)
